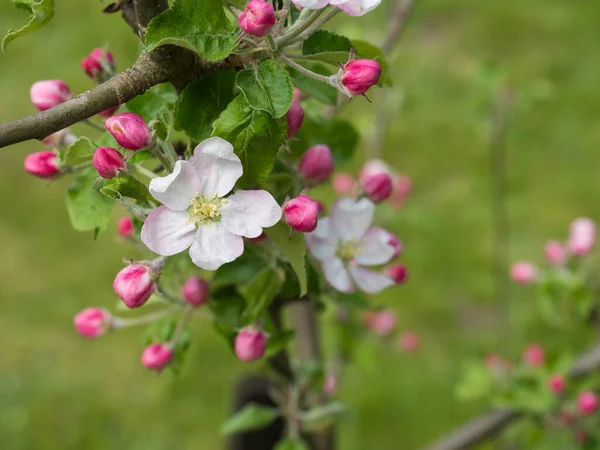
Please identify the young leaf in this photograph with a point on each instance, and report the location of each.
(198, 25)
(255, 136)
(251, 417)
(293, 248)
(322, 92)
(155, 103)
(327, 411)
(291, 444)
(125, 185)
(323, 41)
(202, 101)
(267, 88)
(259, 294)
(80, 151)
(278, 342)
(41, 12)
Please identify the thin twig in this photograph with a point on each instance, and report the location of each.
(397, 24)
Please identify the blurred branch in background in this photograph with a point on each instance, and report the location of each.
(397, 25)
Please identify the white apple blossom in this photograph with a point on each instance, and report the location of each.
(344, 242)
(197, 215)
(350, 7)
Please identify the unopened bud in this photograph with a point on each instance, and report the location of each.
(397, 272)
(359, 75)
(295, 119)
(157, 356)
(523, 272)
(62, 138)
(129, 130)
(343, 184)
(376, 185)
(258, 18)
(108, 162)
(47, 94)
(92, 322)
(582, 237)
(401, 187)
(99, 65)
(134, 285)
(556, 383)
(196, 291)
(408, 341)
(301, 213)
(587, 403)
(250, 344)
(297, 96)
(42, 164)
(381, 323)
(330, 384)
(534, 355)
(316, 165)
(555, 253)
(125, 228)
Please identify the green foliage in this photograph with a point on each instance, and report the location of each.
(323, 41)
(293, 248)
(41, 12)
(356, 300)
(260, 293)
(476, 383)
(198, 25)
(267, 88)
(317, 89)
(240, 271)
(126, 185)
(278, 342)
(251, 417)
(255, 136)
(227, 307)
(155, 104)
(80, 151)
(291, 444)
(324, 414)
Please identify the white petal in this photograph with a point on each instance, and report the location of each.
(350, 219)
(246, 213)
(218, 167)
(374, 248)
(214, 246)
(177, 189)
(321, 242)
(311, 4)
(337, 275)
(168, 232)
(356, 7)
(369, 281)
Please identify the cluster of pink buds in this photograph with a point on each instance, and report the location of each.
(250, 344)
(129, 130)
(99, 65)
(257, 18)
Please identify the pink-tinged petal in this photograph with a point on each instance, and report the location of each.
(311, 4)
(374, 248)
(369, 281)
(321, 242)
(214, 246)
(177, 189)
(351, 219)
(356, 7)
(168, 232)
(218, 167)
(246, 213)
(337, 275)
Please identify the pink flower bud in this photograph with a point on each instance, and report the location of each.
(108, 162)
(297, 95)
(359, 75)
(582, 237)
(397, 272)
(343, 184)
(196, 291)
(555, 253)
(134, 285)
(496, 364)
(92, 322)
(42, 164)
(99, 65)
(125, 228)
(381, 323)
(257, 18)
(556, 383)
(60, 138)
(157, 356)
(330, 384)
(108, 112)
(523, 272)
(250, 344)
(401, 187)
(129, 130)
(49, 93)
(408, 341)
(301, 213)
(377, 186)
(587, 403)
(316, 165)
(534, 355)
(295, 119)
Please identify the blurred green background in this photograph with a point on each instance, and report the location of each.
(58, 391)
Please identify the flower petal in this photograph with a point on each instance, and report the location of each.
(246, 213)
(168, 232)
(350, 219)
(321, 242)
(369, 281)
(337, 275)
(356, 7)
(214, 246)
(311, 4)
(177, 189)
(374, 248)
(218, 167)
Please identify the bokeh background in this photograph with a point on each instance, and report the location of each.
(58, 391)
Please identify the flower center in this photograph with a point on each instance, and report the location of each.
(204, 210)
(347, 250)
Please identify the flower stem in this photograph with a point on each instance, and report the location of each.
(145, 172)
(306, 19)
(318, 23)
(89, 123)
(183, 320)
(304, 70)
(120, 322)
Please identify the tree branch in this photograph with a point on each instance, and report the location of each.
(397, 24)
(145, 10)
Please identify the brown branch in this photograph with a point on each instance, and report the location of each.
(492, 423)
(146, 10)
(397, 24)
(128, 14)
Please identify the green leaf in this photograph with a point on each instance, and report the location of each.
(327, 411)
(126, 185)
(278, 342)
(155, 103)
(255, 136)
(80, 151)
(240, 271)
(88, 209)
(323, 41)
(227, 307)
(356, 300)
(253, 416)
(267, 88)
(41, 12)
(198, 25)
(293, 248)
(291, 444)
(259, 294)
(202, 101)
(317, 89)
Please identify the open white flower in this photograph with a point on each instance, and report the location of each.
(344, 242)
(195, 213)
(350, 7)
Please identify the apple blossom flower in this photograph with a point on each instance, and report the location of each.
(350, 7)
(195, 213)
(582, 237)
(344, 242)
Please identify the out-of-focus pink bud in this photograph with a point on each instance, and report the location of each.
(534, 355)
(297, 95)
(42, 164)
(99, 65)
(260, 238)
(60, 138)
(295, 119)
(392, 240)
(108, 112)
(316, 165)
(343, 183)
(359, 75)
(497, 364)
(108, 162)
(381, 323)
(556, 383)
(125, 228)
(92, 322)
(157, 356)
(250, 344)
(587, 403)
(129, 130)
(134, 285)
(301, 213)
(555, 253)
(582, 237)
(47, 94)
(196, 291)
(397, 272)
(567, 417)
(581, 436)
(523, 272)
(258, 18)
(377, 186)
(408, 341)
(401, 187)
(330, 384)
